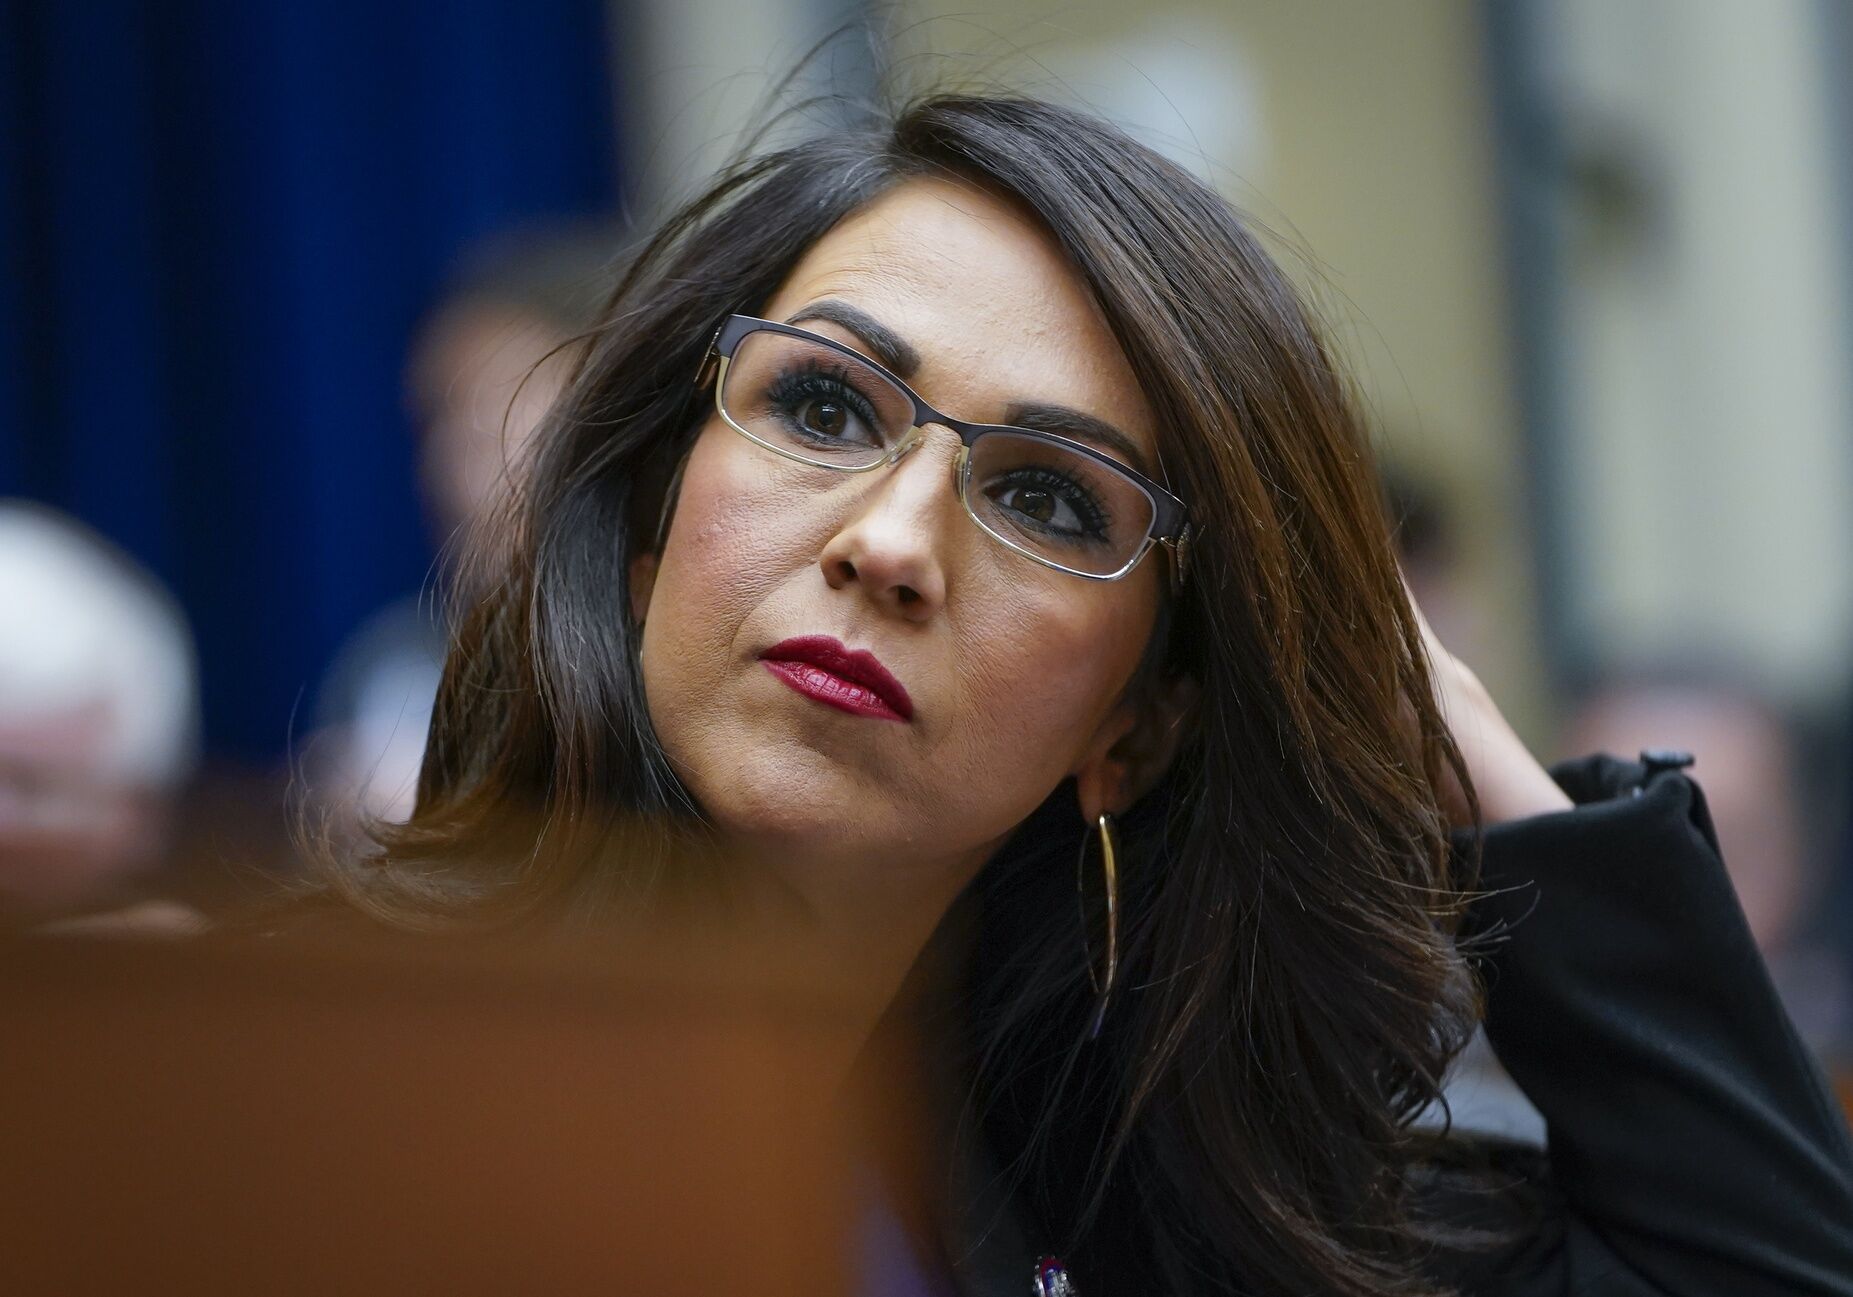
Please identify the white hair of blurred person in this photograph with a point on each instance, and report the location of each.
(99, 714)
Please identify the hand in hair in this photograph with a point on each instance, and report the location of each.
(1509, 781)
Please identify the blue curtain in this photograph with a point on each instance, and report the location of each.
(218, 224)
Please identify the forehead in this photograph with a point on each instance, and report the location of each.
(983, 292)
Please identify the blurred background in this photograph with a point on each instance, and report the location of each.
(275, 279)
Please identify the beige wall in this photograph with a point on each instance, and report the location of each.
(1707, 444)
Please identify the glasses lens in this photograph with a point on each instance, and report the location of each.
(812, 401)
(1059, 504)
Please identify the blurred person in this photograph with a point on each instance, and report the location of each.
(769, 627)
(99, 724)
(482, 369)
(1748, 761)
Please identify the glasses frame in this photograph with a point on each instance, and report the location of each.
(1170, 525)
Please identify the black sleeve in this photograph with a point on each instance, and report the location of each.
(1694, 1147)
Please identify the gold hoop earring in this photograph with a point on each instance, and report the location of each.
(1109, 866)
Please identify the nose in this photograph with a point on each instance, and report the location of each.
(893, 543)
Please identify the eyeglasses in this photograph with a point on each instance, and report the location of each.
(1062, 503)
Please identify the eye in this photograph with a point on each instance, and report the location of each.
(824, 417)
(822, 407)
(1050, 503)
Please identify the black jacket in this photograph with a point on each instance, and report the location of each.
(1694, 1149)
(1694, 1146)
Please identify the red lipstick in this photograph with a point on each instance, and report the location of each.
(851, 680)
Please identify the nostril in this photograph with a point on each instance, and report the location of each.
(907, 594)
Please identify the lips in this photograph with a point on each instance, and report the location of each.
(850, 680)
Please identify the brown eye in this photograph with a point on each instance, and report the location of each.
(825, 418)
(822, 411)
(1048, 503)
(1032, 502)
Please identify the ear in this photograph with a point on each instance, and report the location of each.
(1133, 748)
(642, 583)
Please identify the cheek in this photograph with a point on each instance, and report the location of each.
(731, 545)
(723, 552)
(1038, 674)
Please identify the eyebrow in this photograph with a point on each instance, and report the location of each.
(899, 355)
(889, 347)
(1065, 421)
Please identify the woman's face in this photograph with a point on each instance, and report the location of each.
(1016, 672)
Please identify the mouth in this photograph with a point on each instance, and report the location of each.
(850, 680)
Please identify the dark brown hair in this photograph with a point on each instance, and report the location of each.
(1291, 990)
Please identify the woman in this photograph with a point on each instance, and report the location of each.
(947, 501)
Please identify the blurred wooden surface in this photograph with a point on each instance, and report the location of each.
(404, 1118)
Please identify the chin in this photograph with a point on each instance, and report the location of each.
(790, 795)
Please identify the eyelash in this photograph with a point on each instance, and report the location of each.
(794, 386)
(1095, 520)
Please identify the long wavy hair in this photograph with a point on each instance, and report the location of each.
(1291, 987)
